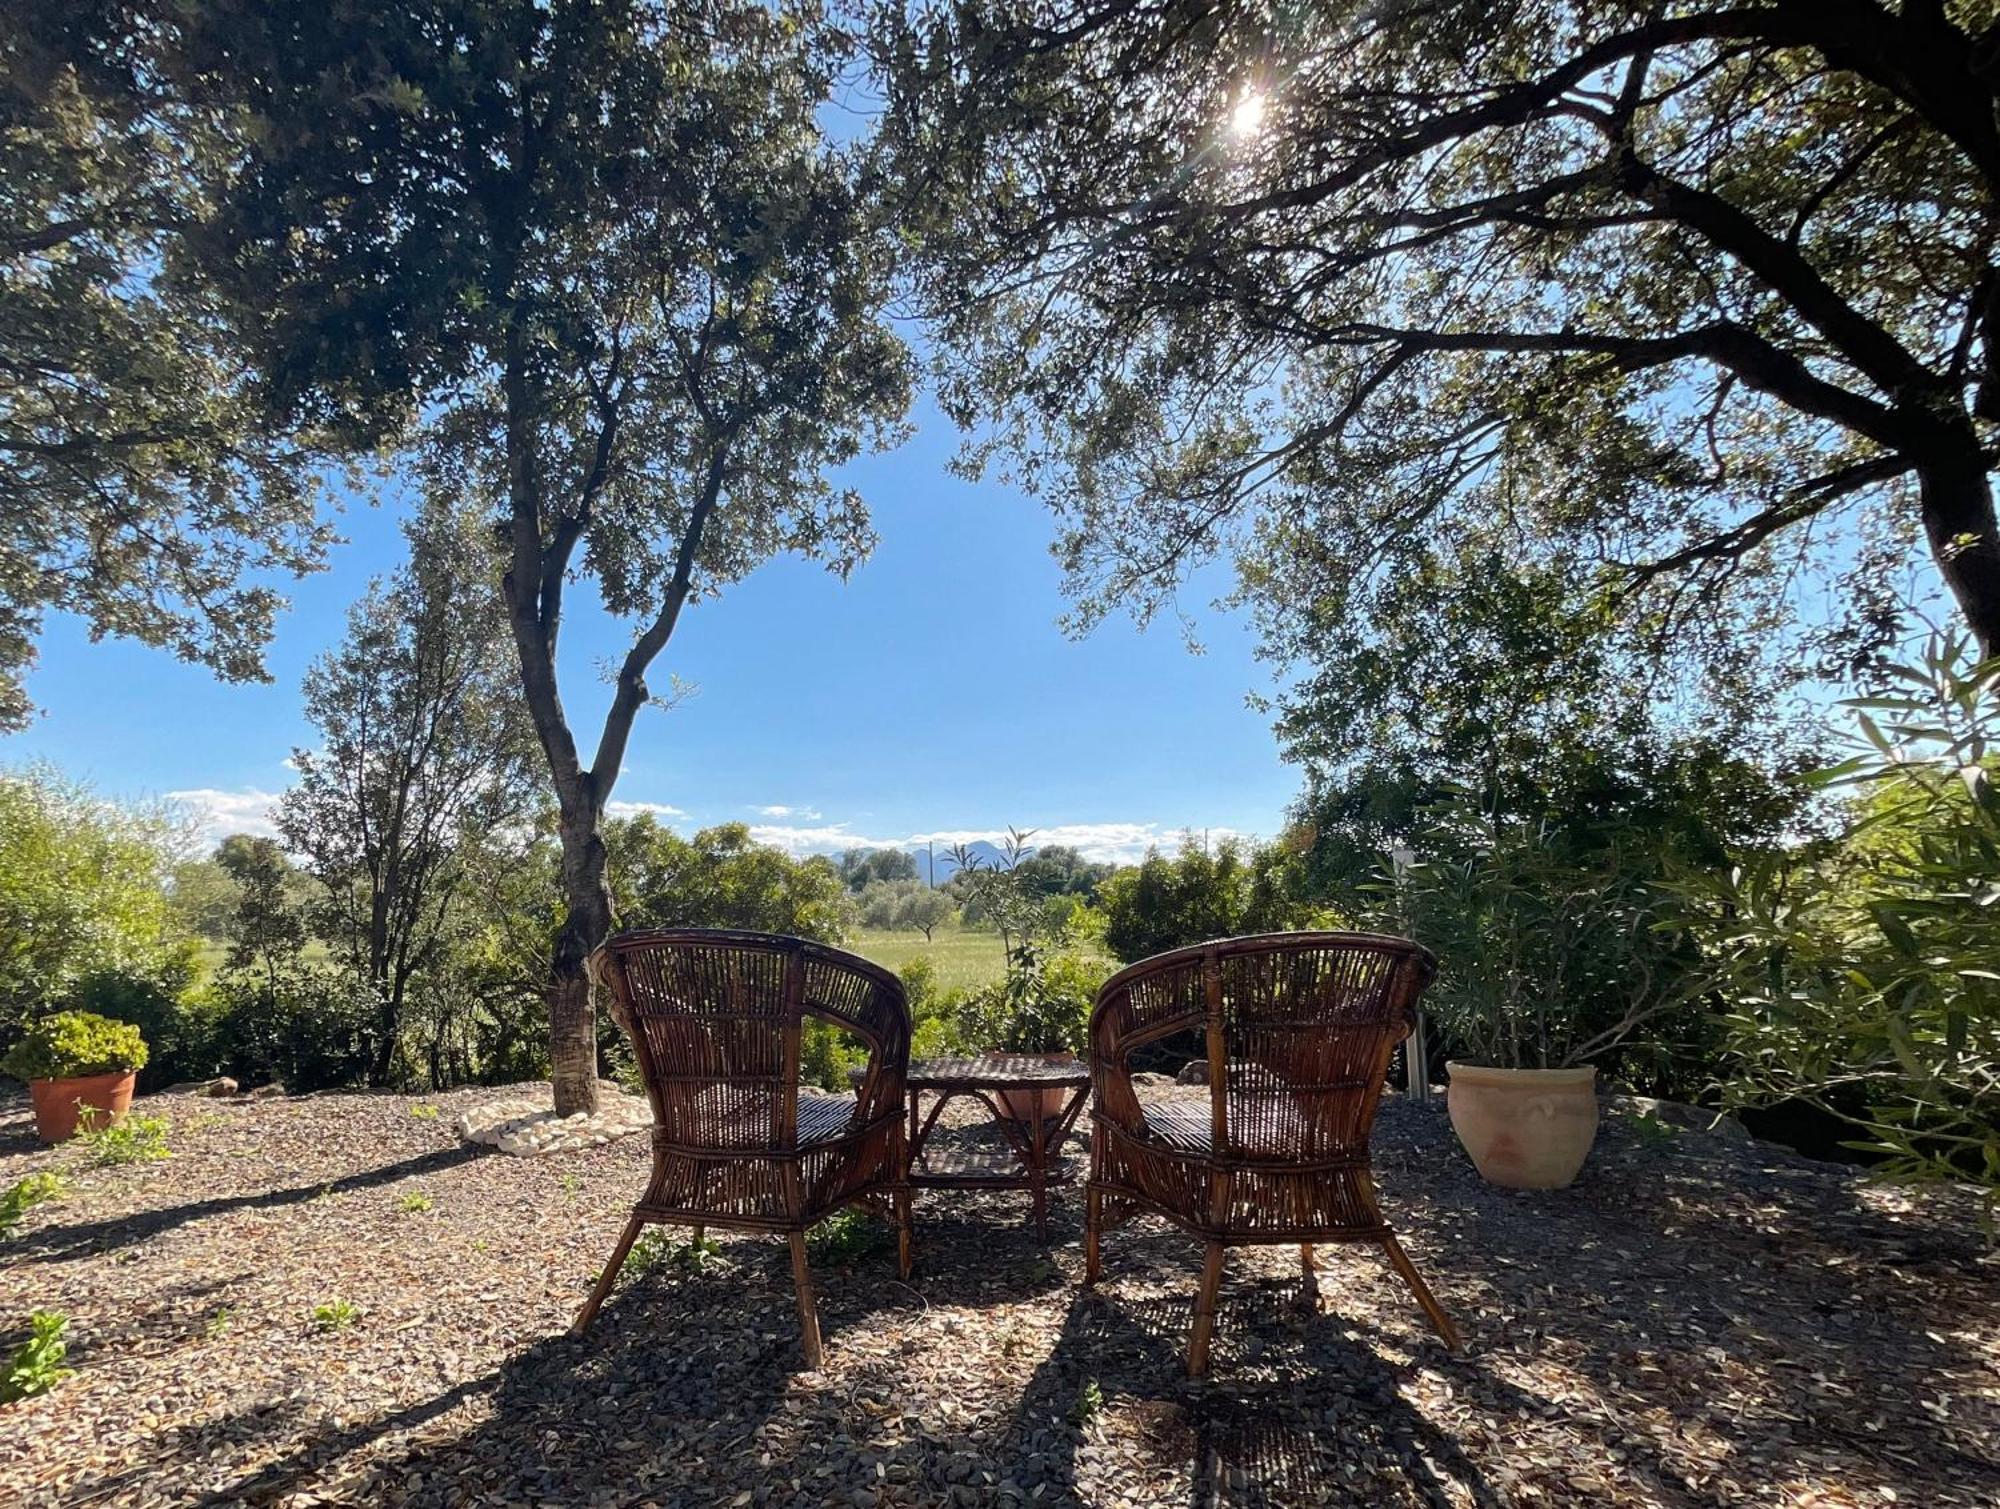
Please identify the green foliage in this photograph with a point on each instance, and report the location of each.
(1206, 891)
(217, 1323)
(423, 750)
(826, 1053)
(423, 1110)
(1042, 1006)
(1089, 1402)
(416, 1203)
(144, 485)
(658, 1248)
(1513, 342)
(81, 893)
(334, 1314)
(1547, 942)
(1859, 972)
(70, 1044)
(131, 1138)
(721, 877)
(862, 868)
(903, 906)
(845, 1237)
(24, 1195)
(36, 1365)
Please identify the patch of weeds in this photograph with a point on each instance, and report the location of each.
(35, 1366)
(844, 1238)
(24, 1195)
(132, 1138)
(416, 1203)
(1010, 1342)
(1652, 1131)
(217, 1323)
(324, 1197)
(656, 1249)
(1089, 1403)
(480, 1244)
(572, 1185)
(423, 1110)
(335, 1314)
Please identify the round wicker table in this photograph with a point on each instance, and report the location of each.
(1033, 1100)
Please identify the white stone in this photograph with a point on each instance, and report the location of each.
(526, 1130)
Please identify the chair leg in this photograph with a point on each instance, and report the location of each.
(607, 1278)
(905, 1236)
(1440, 1321)
(808, 1310)
(1309, 1273)
(1204, 1311)
(1093, 1250)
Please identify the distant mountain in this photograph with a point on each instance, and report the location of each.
(980, 849)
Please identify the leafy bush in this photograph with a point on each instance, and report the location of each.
(1203, 892)
(178, 1021)
(307, 1029)
(71, 1044)
(24, 1195)
(82, 891)
(1861, 974)
(35, 1366)
(1548, 949)
(132, 1138)
(1043, 1005)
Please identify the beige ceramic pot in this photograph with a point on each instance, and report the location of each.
(1525, 1128)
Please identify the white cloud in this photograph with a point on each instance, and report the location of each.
(647, 809)
(217, 814)
(1116, 843)
(778, 809)
(830, 838)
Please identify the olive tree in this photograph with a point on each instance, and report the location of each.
(606, 258)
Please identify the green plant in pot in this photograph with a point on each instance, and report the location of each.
(73, 1062)
(1548, 951)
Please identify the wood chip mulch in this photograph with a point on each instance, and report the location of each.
(1700, 1321)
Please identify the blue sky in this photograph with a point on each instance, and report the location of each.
(931, 694)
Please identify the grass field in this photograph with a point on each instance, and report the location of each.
(964, 960)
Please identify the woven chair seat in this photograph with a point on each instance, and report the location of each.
(825, 1118)
(1185, 1127)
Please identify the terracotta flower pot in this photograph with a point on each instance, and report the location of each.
(1020, 1104)
(59, 1102)
(1525, 1128)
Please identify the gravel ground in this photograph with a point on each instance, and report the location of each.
(1698, 1322)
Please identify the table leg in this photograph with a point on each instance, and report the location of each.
(1038, 1171)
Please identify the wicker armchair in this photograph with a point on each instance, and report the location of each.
(1299, 1030)
(715, 1018)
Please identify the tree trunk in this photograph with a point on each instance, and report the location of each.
(1965, 540)
(572, 1013)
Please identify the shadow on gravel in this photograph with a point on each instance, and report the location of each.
(1297, 1408)
(56, 1243)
